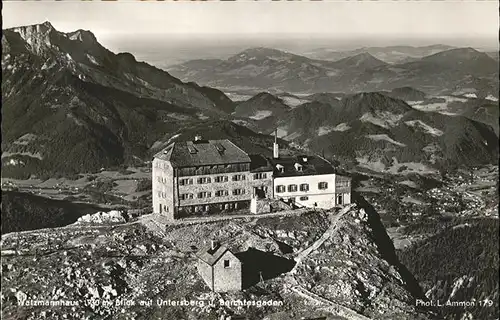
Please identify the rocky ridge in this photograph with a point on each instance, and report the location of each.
(353, 271)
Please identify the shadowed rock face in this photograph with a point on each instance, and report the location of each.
(260, 266)
(385, 246)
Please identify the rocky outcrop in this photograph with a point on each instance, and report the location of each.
(350, 269)
(112, 216)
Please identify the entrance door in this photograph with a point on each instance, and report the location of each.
(339, 199)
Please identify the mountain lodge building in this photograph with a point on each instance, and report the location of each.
(208, 176)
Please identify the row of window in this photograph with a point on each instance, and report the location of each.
(339, 199)
(260, 175)
(342, 184)
(303, 187)
(220, 206)
(205, 180)
(208, 194)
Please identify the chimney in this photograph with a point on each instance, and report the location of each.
(276, 152)
(214, 245)
(197, 137)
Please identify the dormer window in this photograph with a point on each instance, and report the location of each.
(298, 167)
(304, 159)
(280, 168)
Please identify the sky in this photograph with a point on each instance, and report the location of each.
(337, 19)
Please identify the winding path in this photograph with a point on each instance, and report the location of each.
(328, 233)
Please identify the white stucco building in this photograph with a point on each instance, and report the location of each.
(309, 181)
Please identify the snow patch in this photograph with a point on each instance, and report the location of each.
(241, 122)
(292, 136)
(470, 95)
(293, 102)
(491, 98)
(327, 129)
(384, 119)
(261, 114)
(377, 166)
(425, 127)
(201, 116)
(447, 113)
(452, 99)
(342, 127)
(92, 59)
(438, 106)
(380, 137)
(414, 102)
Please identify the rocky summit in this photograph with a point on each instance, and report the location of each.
(338, 264)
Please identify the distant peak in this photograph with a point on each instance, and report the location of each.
(44, 26)
(364, 55)
(126, 56)
(370, 95)
(260, 51)
(82, 35)
(47, 24)
(267, 96)
(264, 94)
(363, 59)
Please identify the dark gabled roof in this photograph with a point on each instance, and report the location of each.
(204, 152)
(313, 166)
(210, 256)
(260, 163)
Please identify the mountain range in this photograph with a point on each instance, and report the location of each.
(377, 130)
(258, 69)
(70, 106)
(390, 54)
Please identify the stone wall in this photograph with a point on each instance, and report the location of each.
(259, 206)
(211, 208)
(227, 279)
(267, 183)
(248, 184)
(162, 187)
